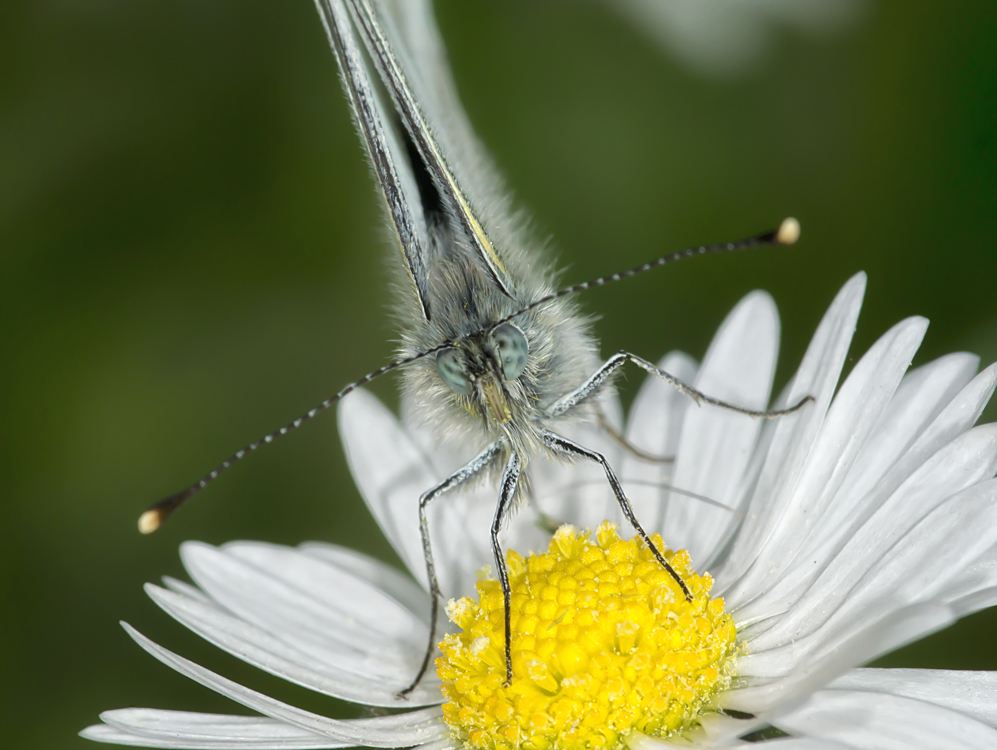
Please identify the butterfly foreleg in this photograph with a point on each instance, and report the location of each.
(559, 444)
(510, 481)
(464, 474)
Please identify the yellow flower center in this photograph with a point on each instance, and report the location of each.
(603, 643)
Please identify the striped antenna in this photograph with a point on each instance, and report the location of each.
(153, 518)
(787, 234)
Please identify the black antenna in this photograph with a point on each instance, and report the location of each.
(153, 518)
(787, 234)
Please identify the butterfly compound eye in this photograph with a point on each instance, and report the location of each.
(451, 364)
(512, 350)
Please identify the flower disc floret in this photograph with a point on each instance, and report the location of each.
(604, 643)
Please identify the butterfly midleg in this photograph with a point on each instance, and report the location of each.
(562, 445)
(629, 447)
(467, 472)
(510, 481)
(614, 363)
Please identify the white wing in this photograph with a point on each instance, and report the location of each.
(384, 146)
(446, 165)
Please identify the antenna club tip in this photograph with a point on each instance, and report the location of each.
(788, 232)
(149, 521)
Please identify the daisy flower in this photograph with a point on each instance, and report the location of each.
(856, 525)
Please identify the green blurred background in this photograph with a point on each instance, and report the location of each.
(190, 255)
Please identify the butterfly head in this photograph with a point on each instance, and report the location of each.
(483, 370)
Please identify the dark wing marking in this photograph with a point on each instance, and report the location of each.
(415, 21)
(398, 183)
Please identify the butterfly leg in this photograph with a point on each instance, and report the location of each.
(464, 474)
(614, 363)
(571, 449)
(629, 447)
(510, 481)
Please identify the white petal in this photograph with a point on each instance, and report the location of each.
(966, 461)
(962, 412)
(387, 578)
(976, 587)
(112, 736)
(792, 437)
(722, 730)
(296, 596)
(958, 416)
(854, 590)
(643, 742)
(921, 397)
(186, 590)
(148, 727)
(885, 461)
(852, 416)
(978, 600)
(360, 680)
(972, 693)
(716, 443)
(955, 419)
(447, 743)
(915, 483)
(801, 743)
(391, 472)
(364, 603)
(654, 426)
(870, 720)
(398, 730)
(805, 675)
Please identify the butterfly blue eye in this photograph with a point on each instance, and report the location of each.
(512, 350)
(452, 366)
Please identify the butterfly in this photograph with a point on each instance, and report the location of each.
(492, 355)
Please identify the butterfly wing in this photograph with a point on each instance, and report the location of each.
(384, 144)
(404, 48)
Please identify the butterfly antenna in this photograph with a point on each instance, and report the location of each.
(787, 234)
(153, 518)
